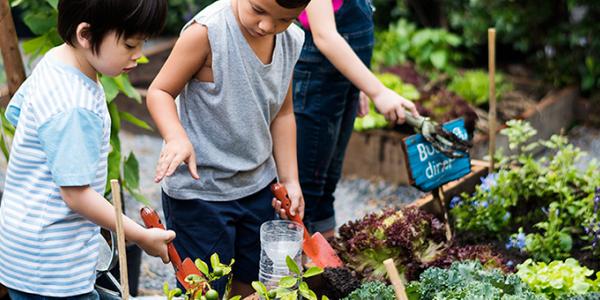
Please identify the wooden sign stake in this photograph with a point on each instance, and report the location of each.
(492, 112)
(392, 272)
(116, 196)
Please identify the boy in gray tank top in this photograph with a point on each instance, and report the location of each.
(233, 131)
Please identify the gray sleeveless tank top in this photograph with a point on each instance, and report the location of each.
(228, 121)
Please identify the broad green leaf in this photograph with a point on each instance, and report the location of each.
(143, 60)
(134, 120)
(313, 271)
(259, 287)
(288, 282)
(111, 88)
(114, 168)
(439, 59)
(53, 3)
(125, 86)
(214, 261)
(292, 265)
(202, 266)
(40, 45)
(131, 171)
(238, 297)
(41, 22)
(566, 242)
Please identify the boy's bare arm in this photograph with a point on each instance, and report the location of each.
(92, 206)
(186, 59)
(283, 131)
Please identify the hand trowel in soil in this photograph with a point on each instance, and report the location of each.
(316, 247)
(182, 269)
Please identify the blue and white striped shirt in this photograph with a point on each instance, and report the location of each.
(62, 139)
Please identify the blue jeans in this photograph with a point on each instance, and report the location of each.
(325, 105)
(17, 295)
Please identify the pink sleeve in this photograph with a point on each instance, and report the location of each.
(303, 17)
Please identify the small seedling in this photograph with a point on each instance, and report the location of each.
(290, 287)
(219, 270)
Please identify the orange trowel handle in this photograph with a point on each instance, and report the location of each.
(152, 220)
(282, 195)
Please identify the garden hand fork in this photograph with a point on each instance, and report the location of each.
(441, 139)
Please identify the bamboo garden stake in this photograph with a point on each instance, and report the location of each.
(492, 112)
(116, 196)
(392, 272)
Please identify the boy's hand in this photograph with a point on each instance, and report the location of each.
(363, 104)
(174, 153)
(393, 106)
(295, 194)
(154, 242)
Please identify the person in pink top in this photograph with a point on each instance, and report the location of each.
(329, 77)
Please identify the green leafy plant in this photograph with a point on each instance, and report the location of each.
(290, 287)
(201, 288)
(549, 199)
(430, 49)
(393, 44)
(558, 279)
(473, 86)
(469, 281)
(557, 37)
(41, 17)
(411, 237)
(372, 290)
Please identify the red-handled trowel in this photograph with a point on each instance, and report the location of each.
(316, 247)
(182, 269)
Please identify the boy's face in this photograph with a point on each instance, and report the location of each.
(262, 18)
(117, 55)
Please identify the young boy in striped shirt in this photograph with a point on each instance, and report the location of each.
(52, 205)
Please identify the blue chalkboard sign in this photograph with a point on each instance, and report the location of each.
(428, 167)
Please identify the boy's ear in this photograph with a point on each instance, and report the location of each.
(84, 37)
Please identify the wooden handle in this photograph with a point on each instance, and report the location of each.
(152, 220)
(116, 196)
(281, 194)
(492, 112)
(392, 272)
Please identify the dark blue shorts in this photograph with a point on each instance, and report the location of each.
(229, 228)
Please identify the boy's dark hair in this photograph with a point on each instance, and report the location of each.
(126, 18)
(292, 3)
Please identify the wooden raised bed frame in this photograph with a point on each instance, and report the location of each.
(379, 153)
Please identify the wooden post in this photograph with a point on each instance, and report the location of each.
(439, 194)
(116, 196)
(492, 112)
(9, 46)
(392, 272)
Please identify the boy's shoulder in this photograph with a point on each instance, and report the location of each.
(293, 40)
(53, 87)
(295, 34)
(211, 14)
